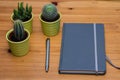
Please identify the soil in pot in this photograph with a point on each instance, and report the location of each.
(12, 38)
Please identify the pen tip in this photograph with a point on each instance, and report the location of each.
(47, 71)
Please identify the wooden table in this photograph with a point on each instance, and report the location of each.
(32, 66)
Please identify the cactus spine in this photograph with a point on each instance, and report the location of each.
(49, 12)
(18, 29)
(22, 13)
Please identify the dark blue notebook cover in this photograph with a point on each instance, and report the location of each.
(82, 49)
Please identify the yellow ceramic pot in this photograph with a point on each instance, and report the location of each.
(18, 48)
(50, 28)
(27, 24)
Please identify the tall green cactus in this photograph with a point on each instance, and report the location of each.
(49, 12)
(22, 13)
(18, 30)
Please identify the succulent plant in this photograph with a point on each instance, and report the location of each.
(49, 12)
(18, 30)
(22, 13)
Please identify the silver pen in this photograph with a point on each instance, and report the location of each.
(47, 54)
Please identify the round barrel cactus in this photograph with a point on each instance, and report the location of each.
(49, 12)
(18, 29)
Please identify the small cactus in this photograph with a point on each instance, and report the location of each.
(18, 30)
(22, 13)
(49, 12)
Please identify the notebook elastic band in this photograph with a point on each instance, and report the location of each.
(95, 44)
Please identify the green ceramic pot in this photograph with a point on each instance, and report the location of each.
(50, 28)
(18, 48)
(27, 24)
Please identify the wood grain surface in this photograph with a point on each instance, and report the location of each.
(32, 66)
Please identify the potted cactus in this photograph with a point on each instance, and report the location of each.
(18, 39)
(50, 20)
(23, 14)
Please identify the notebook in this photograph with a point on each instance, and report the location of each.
(82, 49)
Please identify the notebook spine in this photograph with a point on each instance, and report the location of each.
(62, 46)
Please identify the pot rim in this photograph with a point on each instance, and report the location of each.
(11, 30)
(52, 21)
(25, 21)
